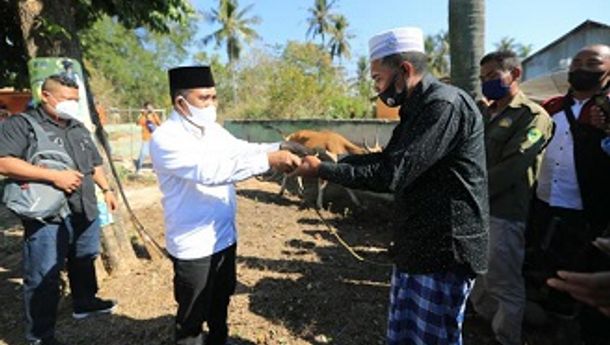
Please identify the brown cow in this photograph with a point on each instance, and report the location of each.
(331, 145)
(332, 142)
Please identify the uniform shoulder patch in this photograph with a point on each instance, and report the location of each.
(505, 122)
(534, 135)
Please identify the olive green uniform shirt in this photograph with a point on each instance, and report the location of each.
(514, 140)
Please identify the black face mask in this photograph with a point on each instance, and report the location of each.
(390, 96)
(582, 80)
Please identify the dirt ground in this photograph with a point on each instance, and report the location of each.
(296, 283)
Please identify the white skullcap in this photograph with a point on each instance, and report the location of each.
(399, 40)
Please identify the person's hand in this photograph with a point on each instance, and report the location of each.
(296, 148)
(598, 118)
(590, 288)
(309, 167)
(67, 180)
(111, 201)
(283, 161)
(602, 244)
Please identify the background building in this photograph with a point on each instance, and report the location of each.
(545, 71)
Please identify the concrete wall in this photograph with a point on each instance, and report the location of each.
(357, 131)
(125, 138)
(559, 56)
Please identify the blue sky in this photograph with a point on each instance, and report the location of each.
(536, 22)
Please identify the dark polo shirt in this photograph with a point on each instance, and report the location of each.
(16, 138)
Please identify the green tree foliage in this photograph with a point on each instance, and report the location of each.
(320, 19)
(49, 27)
(299, 81)
(339, 38)
(363, 83)
(157, 15)
(235, 26)
(222, 77)
(129, 67)
(437, 50)
(510, 44)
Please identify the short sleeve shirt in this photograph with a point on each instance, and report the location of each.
(16, 138)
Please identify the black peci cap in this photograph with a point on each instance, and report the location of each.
(190, 77)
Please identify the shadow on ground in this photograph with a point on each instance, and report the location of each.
(116, 329)
(100, 330)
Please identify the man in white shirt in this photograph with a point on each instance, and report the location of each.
(197, 162)
(572, 202)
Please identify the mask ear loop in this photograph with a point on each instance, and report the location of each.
(55, 116)
(201, 128)
(186, 105)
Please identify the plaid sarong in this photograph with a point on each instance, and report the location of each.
(427, 309)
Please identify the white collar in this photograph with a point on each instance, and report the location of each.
(580, 102)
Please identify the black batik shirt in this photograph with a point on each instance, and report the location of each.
(15, 139)
(434, 164)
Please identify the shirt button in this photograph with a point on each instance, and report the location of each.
(561, 148)
(557, 164)
(554, 181)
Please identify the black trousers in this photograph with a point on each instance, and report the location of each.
(202, 289)
(560, 239)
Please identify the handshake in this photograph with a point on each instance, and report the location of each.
(294, 159)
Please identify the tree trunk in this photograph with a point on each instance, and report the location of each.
(49, 30)
(467, 43)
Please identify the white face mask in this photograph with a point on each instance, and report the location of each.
(67, 110)
(202, 116)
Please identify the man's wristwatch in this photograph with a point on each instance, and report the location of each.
(106, 190)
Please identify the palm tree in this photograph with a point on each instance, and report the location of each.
(506, 44)
(319, 22)
(339, 41)
(363, 83)
(524, 50)
(466, 39)
(235, 28)
(509, 44)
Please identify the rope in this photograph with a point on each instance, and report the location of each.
(343, 243)
(101, 135)
(323, 154)
(140, 229)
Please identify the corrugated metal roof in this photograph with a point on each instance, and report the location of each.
(587, 24)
